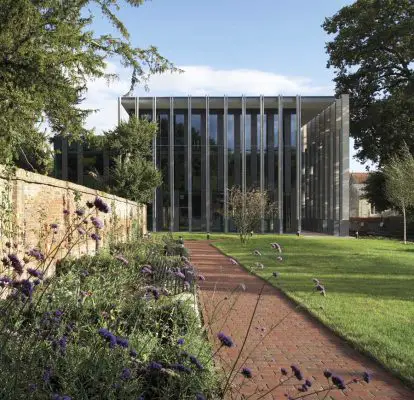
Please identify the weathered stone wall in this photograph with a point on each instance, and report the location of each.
(38, 201)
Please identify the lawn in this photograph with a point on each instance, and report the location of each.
(369, 285)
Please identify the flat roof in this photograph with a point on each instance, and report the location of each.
(311, 105)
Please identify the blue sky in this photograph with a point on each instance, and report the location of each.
(226, 47)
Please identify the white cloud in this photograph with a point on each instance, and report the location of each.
(197, 81)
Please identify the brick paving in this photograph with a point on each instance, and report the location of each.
(299, 339)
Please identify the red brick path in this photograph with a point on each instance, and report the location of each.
(299, 339)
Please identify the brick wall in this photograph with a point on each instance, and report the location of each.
(38, 201)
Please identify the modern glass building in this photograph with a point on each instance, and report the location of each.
(295, 148)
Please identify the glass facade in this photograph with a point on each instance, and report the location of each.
(212, 143)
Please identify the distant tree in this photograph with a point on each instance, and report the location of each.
(48, 51)
(375, 191)
(246, 209)
(133, 174)
(399, 183)
(372, 53)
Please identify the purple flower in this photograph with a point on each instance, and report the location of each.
(96, 237)
(196, 362)
(108, 336)
(180, 274)
(153, 365)
(303, 388)
(201, 277)
(80, 212)
(247, 372)
(297, 372)
(5, 281)
(32, 387)
(133, 353)
(27, 288)
(66, 212)
(180, 341)
(54, 226)
(338, 382)
(327, 373)
(155, 293)
(146, 270)
(187, 285)
(36, 254)
(89, 204)
(200, 396)
(308, 383)
(16, 263)
(366, 377)
(122, 342)
(126, 374)
(47, 374)
(283, 371)
(97, 223)
(101, 205)
(81, 231)
(225, 340)
(36, 273)
(180, 368)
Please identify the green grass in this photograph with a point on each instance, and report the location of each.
(369, 284)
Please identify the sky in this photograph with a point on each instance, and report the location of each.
(230, 47)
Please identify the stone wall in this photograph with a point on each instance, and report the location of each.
(37, 201)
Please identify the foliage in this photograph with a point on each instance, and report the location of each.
(133, 175)
(247, 208)
(49, 51)
(368, 282)
(399, 183)
(375, 192)
(373, 54)
(99, 328)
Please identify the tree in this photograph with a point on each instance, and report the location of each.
(133, 174)
(246, 209)
(373, 53)
(48, 52)
(375, 191)
(399, 183)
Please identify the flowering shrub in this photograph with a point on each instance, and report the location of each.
(101, 328)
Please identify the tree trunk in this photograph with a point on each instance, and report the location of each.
(405, 225)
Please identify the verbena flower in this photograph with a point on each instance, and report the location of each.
(297, 372)
(133, 353)
(47, 374)
(89, 204)
(27, 288)
(34, 272)
(180, 341)
(180, 368)
(66, 212)
(308, 383)
(96, 237)
(247, 372)
(366, 376)
(200, 396)
(5, 281)
(101, 205)
(225, 340)
(155, 293)
(338, 382)
(327, 373)
(303, 388)
(196, 362)
(180, 274)
(81, 231)
(32, 387)
(97, 223)
(36, 254)
(146, 270)
(80, 212)
(201, 277)
(54, 226)
(16, 263)
(283, 371)
(126, 374)
(153, 365)
(108, 336)
(122, 342)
